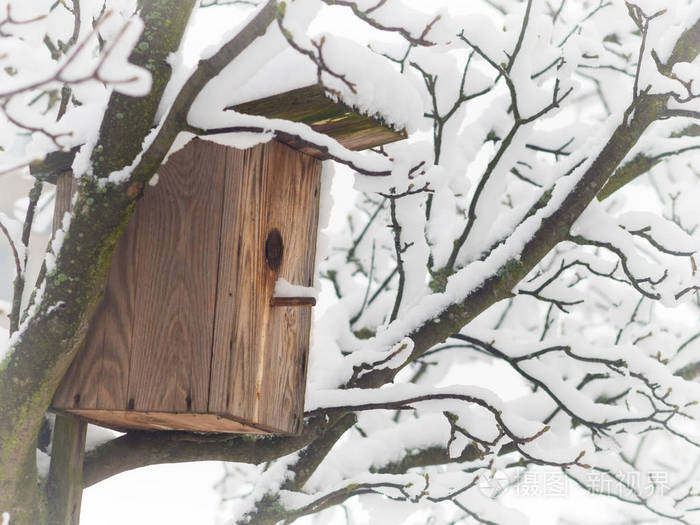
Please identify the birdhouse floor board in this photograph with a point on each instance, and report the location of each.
(186, 336)
(123, 420)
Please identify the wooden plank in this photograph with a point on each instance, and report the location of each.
(98, 376)
(64, 486)
(293, 301)
(310, 105)
(283, 377)
(292, 189)
(79, 386)
(116, 320)
(178, 256)
(259, 354)
(241, 293)
(66, 186)
(123, 420)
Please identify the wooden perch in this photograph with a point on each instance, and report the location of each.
(293, 301)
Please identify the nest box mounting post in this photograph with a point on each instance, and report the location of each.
(188, 335)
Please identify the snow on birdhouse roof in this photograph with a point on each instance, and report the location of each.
(368, 92)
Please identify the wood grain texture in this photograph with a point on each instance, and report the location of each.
(65, 188)
(79, 386)
(283, 370)
(312, 106)
(238, 309)
(98, 376)
(292, 192)
(130, 419)
(293, 301)
(188, 335)
(177, 248)
(117, 320)
(268, 187)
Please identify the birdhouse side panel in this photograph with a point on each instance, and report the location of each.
(178, 254)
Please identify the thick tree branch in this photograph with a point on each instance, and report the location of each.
(642, 164)
(267, 509)
(553, 229)
(139, 449)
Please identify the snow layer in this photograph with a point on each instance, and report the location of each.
(283, 288)
(380, 90)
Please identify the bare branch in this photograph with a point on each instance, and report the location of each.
(13, 247)
(364, 16)
(19, 284)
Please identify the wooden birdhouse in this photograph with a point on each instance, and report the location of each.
(188, 335)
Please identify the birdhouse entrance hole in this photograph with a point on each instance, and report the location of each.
(274, 250)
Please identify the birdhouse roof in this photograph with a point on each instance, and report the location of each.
(366, 102)
(313, 106)
(361, 80)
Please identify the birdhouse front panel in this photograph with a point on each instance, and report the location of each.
(187, 335)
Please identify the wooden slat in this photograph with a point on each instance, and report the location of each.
(178, 256)
(292, 192)
(239, 302)
(64, 486)
(310, 105)
(79, 386)
(259, 360)
(116, 319)
(293, 301)
(66, 186)
(284, 368)
(132, 420)
(98, 376)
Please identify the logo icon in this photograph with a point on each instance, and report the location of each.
(491, 484)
